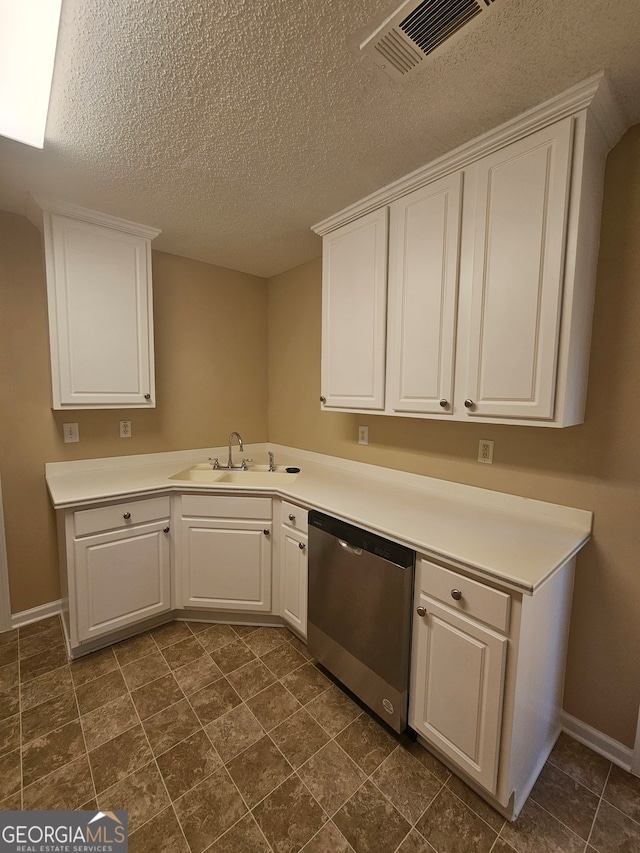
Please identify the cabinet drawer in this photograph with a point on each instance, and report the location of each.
(89, 521)
(475, 599)
(294, 516)
(221, 506)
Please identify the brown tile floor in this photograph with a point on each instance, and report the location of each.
(229, 739)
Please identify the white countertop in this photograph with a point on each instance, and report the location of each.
(516, 541)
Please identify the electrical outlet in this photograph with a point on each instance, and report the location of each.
(363, 435)
(125, 429)
(70, 433)
(485, 451)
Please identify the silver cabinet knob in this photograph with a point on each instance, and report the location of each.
(266, 531)
(444, 403)
(126, 516)
(323, 399)
(301, 545)
(292, 517)
(421, 611)
(469, 404)
(166, 529)
(147, 396)
(456, 594)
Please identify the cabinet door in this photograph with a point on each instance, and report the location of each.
(226, 565)
(354, 297)
(521, 211)
(293, 578)
(100, 315)
(122, 577)
(423, 290)
(457, 677)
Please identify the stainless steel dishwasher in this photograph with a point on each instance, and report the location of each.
(359, 613)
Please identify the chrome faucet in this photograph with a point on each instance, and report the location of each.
(240, 445)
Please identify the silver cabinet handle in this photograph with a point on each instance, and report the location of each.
(126, 516)
(266, 531)
(323, 399)
(147, 396)
(456, 594)
(444, 403)
(166, 529)
(469, 404)
(301, 545)
(292, 517)
(421, 611)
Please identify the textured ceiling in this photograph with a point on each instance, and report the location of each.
(235, 125)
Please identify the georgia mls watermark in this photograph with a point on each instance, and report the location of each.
(63, 832)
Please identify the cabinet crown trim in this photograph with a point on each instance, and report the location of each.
(594, 94)
(39, 204)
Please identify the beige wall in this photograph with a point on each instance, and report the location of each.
(595, 465)
(211, 378)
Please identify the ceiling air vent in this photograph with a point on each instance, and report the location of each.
(416, 29)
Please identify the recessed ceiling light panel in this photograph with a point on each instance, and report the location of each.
(28, 36)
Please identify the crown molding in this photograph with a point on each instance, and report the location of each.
(39, 204)
(593, 94)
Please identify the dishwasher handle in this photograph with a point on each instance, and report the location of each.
(350, 548)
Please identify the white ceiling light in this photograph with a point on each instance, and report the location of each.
(28, 35)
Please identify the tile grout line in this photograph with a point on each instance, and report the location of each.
(294, 770)
(265, 734)
(153, 756)
(561, 822)
(84, 740)
(20, 711)
(573, 778)
(412, 824)
(597, 811)
(119, 667)
(202, 726)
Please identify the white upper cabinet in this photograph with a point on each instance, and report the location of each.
(491, 275)
(423, 293)
(354, 307)
(520, 224)
(100, 309)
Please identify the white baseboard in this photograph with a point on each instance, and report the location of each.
(35, 614)
(604, 745)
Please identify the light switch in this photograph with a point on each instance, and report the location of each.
(70, 433)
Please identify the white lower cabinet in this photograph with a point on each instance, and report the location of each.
(457, 691)
(225, 553)
(487, 674)
(293, 567)
(118, 559)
